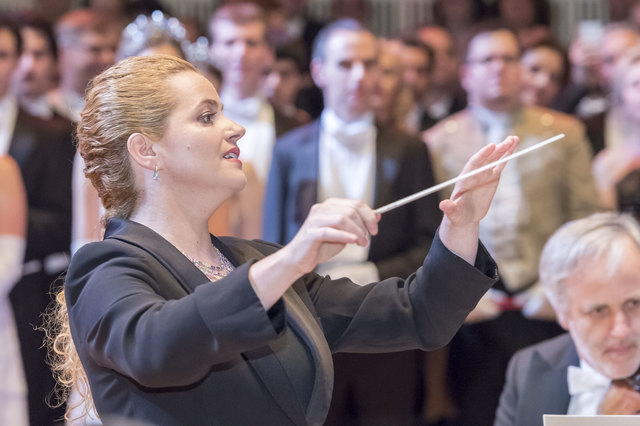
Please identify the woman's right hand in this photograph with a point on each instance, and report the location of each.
(327, 229)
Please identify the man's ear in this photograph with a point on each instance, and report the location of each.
(561, 318)
(140, 148)
(317, 73)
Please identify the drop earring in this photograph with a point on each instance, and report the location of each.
(155, 174)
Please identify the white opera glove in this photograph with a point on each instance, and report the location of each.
(11, 256)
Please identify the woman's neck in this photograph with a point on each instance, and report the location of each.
(184, 225)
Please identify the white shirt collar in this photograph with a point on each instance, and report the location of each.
(66, 103)
(38, 107)
(354, 135)
(587, 389)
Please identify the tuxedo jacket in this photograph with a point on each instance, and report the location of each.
(162, 344)
(536, 383)
(402, 168)
(44, 152)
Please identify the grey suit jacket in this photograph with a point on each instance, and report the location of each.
(403, 167)
(160, 343)
(536, 383)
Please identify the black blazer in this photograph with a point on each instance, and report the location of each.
(162, 344)
(537, 383)
(402, 168)
(44, 152)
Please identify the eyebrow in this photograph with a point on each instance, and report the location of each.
(210, 102)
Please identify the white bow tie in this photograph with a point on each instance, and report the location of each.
(581, 380)
(248, 109)
(352, 135)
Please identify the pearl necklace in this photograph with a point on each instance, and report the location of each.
(214, 273)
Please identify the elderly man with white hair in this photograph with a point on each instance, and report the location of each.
(590, 270)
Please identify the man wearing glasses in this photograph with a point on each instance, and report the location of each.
(536, 195)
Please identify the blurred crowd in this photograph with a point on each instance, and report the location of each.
(332, 110)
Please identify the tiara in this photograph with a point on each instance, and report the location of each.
(159, 26)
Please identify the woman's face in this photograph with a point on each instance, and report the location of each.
(630, 92)
(542, 71)
(198, 152)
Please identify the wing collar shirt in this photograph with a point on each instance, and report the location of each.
(256, 115)
(346, 169)
(587, 388)
(66, 103)
(8, 116)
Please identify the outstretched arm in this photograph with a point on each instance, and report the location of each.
(337, 222)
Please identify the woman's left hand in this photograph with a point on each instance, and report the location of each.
(471, 199)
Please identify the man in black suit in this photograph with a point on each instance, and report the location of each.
(44, 153)
(345, 154)
(590, 270)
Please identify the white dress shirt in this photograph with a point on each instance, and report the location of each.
(38, 107)
(347, 169)
(256, 115)
(67, 104)
(587, 388)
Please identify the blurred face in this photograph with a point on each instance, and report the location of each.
(348, 74)
(198, 151)
(445, 67)
(457, 12)
(416, 71)
(614, 44)
(517, 13)
(283, 82)
(92, 53)
(36, 70)
(542, 71)
(491, 75)
(389, 80)
(603, 314)
(239, 50)
(630, 92)
(8, 59)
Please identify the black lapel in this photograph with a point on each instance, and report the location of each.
(547, 391)
(387, 167)
(305, 324)
(262, 360)
(186, 274)
(306, 191)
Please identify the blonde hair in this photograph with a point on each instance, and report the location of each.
(130, 97)
(127, 98)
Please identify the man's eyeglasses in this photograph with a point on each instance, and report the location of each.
(489, 60)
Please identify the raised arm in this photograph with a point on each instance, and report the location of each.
(336, 222)
(470, 200)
